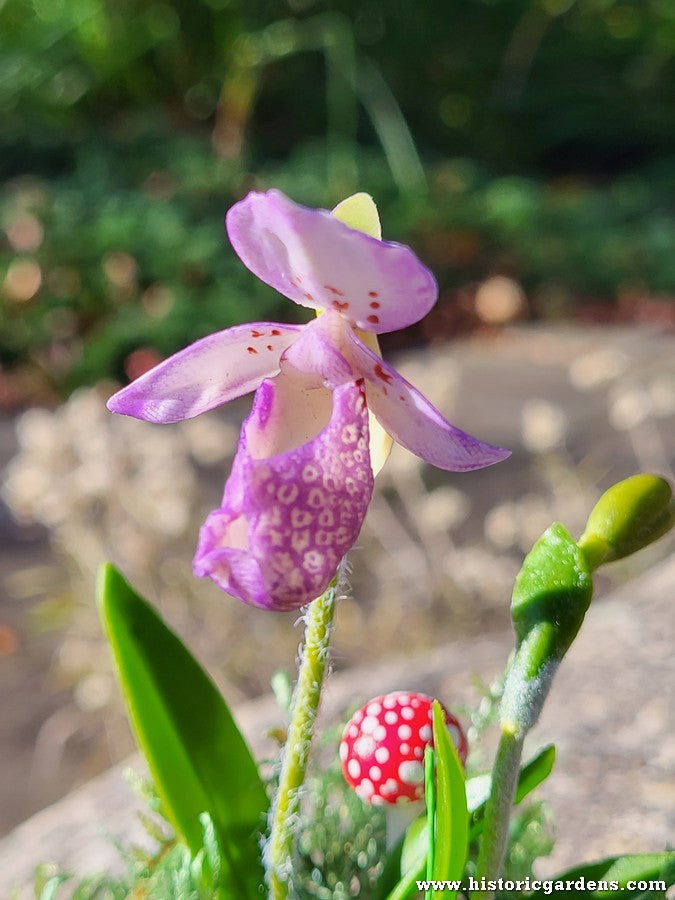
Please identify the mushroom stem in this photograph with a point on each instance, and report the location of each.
(398, 816)
(296, 750)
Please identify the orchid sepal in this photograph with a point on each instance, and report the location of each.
(378, 286)
(214, 370)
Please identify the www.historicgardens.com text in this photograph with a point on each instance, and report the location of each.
(548, 886)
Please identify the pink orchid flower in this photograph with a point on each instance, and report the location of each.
(302, 477)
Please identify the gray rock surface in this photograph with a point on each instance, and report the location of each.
(610, 715)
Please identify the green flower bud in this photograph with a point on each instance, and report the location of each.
(627, 517)
(553, 589)
(551, 595)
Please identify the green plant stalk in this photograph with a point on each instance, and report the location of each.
(296, 750)
(551, 595)
(498, 808)
(526, 687)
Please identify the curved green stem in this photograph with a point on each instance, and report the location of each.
(296, 751)
(526, 687)
(498, 809)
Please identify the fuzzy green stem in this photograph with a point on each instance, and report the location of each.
(498, 809)
(296, 751)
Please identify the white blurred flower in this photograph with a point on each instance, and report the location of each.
(629, 407)
(444, 508)
(501, 526)
(597, 368)
(662, 395)
(543, 425)
(94, 692)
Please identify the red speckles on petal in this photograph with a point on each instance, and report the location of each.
(374, 304)
(374, 319)
(380, 373)
(270, 347)
(340, 305)
(276, 332)
(256, 334)
(251, 350)
(308, 296)
(333, 290)
(373, 294)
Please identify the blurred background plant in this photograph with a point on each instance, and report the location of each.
(543, 150)
(524, 148)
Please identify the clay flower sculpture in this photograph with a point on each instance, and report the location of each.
(302, 477)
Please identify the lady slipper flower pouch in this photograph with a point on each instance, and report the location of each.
(326, 404)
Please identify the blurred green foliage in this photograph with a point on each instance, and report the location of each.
(531, 138)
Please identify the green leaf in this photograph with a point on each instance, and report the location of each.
(197, 756)
(452, 818)
(531, 776)
(430, 800)
(535, 772)
(610, 878)
(407, 886)
(415, 845)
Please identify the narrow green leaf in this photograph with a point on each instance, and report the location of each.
(197, 756)
(531, 776)
(452, 818)
(430, 798)
(535, 772)
(407, 886)
(413, 854)
(611, 877)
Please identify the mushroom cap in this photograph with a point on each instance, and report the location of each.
(382, 747)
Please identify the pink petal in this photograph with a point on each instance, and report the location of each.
(286, 521)
(206, 374)
(315, 260)
(412, 421)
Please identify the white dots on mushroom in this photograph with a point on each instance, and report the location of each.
(411, 772)
(382, 752)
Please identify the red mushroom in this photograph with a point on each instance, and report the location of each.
(382, 750)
